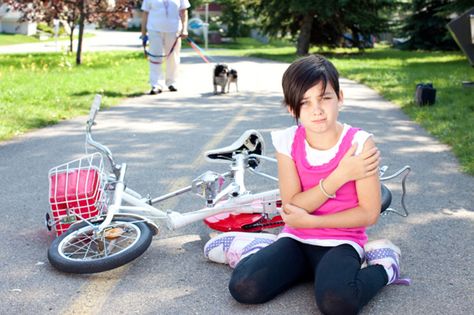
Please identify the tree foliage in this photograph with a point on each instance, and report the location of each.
(426, 27)
(458, 6)
(75, 12)
(236, 16)
(320, 22)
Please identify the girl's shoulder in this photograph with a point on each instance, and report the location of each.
(360, 137)
(284, 133)
(283, 139)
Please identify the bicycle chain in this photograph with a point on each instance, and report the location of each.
(262, 225)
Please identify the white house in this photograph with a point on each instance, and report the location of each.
(9, 22)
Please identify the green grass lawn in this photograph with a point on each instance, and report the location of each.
(12, 39)
(37, 90)
(41, 89)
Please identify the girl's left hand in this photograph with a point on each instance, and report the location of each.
(296, 217)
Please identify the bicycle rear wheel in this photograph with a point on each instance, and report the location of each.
(82, 250)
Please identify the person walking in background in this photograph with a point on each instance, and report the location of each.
(330, 191)
(164, 23)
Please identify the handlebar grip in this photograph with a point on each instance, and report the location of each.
(95, 107)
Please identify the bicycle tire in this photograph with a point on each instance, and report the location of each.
(386, 198)
(81, 251)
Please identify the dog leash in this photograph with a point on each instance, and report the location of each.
(193, 44)
(148, 54)
(200, 51)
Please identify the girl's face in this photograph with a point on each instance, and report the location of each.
(319, 109)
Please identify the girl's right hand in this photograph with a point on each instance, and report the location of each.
(296, 217)
(354, 167)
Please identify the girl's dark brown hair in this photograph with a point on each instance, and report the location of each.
(302, 75)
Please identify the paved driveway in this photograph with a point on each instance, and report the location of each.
(162, 138)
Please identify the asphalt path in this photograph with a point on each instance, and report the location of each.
(163, 138)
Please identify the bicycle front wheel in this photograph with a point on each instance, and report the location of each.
(84, 250)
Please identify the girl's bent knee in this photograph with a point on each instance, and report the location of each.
(332, 303)
(245, 291)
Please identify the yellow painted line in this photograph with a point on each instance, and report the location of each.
(93, 294)
(240, 116)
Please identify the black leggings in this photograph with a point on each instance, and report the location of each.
(340, 285)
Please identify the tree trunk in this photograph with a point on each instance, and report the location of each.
(82, 18)
(71, 38)
(305, 34)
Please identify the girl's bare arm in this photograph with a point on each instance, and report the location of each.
(350, 168)
(365, 214)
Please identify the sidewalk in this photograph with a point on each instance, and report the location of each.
(162, 138)
(102, 40)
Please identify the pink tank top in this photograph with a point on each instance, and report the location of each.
(346, 196)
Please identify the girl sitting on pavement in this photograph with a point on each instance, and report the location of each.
(330, 190)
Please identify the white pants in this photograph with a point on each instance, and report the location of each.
(160, 45)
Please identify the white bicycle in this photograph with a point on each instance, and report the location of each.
(101, 223)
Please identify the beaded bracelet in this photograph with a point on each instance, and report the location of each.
(325, 193)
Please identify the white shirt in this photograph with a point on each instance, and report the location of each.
(163, 15)
(283, 142)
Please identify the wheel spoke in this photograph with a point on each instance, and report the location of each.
(82, 248)
(89, 245)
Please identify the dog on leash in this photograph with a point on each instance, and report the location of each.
(232, 78)
(221, 72)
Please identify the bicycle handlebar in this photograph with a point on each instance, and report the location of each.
(99, 146)
(94, 108)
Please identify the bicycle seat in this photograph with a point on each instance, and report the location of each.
(250, 141)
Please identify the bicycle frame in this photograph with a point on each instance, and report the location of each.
(233, 197)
